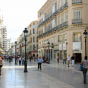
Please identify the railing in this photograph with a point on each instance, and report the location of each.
(76, 1)
(51, 16)
(77, 21)
(49, 27)
(65, 24)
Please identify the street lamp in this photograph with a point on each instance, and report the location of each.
(25, 61)
(85, 34)
(66, 48)
(52, 46)
(15, 52)
(48, 52)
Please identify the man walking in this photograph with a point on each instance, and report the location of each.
(40, 61)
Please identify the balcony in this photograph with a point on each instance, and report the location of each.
(77, 21)
(51, 16)
(51, 30)
(76, 1)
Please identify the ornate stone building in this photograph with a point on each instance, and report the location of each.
(62, 23)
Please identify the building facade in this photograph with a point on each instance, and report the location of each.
(20, 45)
(3, 37)
(8, 44)
(32, 43)
(62, 23)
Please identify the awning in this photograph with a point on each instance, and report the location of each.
(2, 51)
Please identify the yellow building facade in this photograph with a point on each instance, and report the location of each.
(61, 24)
(32, 43)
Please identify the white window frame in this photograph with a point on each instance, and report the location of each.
(77, 13)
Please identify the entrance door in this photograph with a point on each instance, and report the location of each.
(78, 57)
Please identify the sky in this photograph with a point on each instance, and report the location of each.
(18, 14)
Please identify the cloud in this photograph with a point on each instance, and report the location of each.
(18, 14)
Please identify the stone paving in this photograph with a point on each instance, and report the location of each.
(51, 76)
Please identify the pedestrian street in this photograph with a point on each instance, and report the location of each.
(51, 76)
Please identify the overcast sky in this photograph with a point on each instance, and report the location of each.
(17, 14)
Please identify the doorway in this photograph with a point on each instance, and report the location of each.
(78, 57)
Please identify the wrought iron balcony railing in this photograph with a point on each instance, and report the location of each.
(77, 21)
(65, 24)
(51, 16)
(76, 1)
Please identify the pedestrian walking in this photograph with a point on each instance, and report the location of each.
(30, 58)
(64, 60)
(68, 60)
(58, 59)
(85, 68)
(1, 63)
(22, 60)
(39, 61)
(73, 60)
(19, 60)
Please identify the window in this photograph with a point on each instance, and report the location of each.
(66, 16)
(33, 31)
(62, 18)
(62, 2)
(77, 37)
(43, 29)
(33, 39)
(34, 47)
(43, 17)
(65, 37)
(54, 8)
(60, 38)
(58, 20)
(77, 14)
(53, 23)
(76, 1)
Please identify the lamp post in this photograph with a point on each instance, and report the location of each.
(25, 61)
(85, 34)
(48, 52)
(52, 46)
(66, 48)
(15, 52)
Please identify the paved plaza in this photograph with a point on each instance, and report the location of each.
(52, 76)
